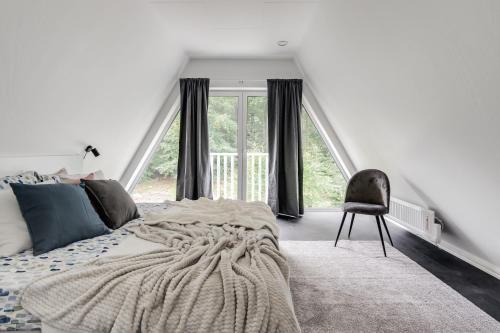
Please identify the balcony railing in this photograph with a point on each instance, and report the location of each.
(225, 176)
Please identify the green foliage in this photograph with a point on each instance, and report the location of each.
(257, 124)
(164, 161)
(324, 184)
(223, 124)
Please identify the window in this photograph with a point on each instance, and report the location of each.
(324, 184)
(256, 148)
(237, 124)
(158, 181)
(223, 141)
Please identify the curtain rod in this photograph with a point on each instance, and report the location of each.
(252, 80)
(235, 80)
(239, 88)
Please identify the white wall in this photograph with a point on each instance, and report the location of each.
(412, 87)
(74, 73)
(227, 74)
(222, 73)
(218, 69)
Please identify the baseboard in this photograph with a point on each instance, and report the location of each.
(470, 258)
(466, 256)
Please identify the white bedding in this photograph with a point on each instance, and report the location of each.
(133, 245)
(233, 278)
(19, 270)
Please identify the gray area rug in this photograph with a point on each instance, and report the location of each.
(353, 288)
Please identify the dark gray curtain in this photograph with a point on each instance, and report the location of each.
(193, 167)
(285, 147)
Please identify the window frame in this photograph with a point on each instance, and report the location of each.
(246, 94)
(233, 93)
(148, 156)
(333, 155)
(173, 110)
(330, 146)
(242, 95)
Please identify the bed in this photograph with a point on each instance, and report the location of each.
(17, 271)
(243, 286)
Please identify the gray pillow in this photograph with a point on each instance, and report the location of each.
(57, 215)
(113, 204)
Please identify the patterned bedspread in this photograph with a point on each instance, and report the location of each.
(18, 270)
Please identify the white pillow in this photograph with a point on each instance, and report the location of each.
(63, 175)
(14, 235)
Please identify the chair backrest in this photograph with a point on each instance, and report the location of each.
(369, 186)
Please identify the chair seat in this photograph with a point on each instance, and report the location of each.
(364, 208)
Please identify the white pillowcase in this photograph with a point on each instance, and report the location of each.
(14, 235)
(75, 178)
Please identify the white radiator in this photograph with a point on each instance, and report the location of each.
(415, 219)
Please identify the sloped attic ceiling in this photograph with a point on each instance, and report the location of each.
(412, 87)
(229, 28)
(74, 73)
(96, 72)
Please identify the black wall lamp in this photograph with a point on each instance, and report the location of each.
(94, 151)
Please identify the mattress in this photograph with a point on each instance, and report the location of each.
(17, 271)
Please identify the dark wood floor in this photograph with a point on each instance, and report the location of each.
(478, 287)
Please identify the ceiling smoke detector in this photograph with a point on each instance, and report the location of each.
(282, 43)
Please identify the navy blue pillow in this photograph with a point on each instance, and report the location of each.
(57, 215)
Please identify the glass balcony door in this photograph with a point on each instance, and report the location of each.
(224, 114)
(237, 124)
(256, 146)
(239, 155)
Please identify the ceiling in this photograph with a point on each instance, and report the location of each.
(411, 87)
(236, 28)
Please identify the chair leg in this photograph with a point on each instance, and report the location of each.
(350, 228)
(380, 234)
(386, 229)
(340, 229)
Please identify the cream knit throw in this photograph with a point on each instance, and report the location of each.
(252, 215)
(208, 278)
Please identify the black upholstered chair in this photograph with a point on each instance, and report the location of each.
(368, 192)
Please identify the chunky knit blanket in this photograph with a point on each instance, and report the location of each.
(209, 277)
(252, 215)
